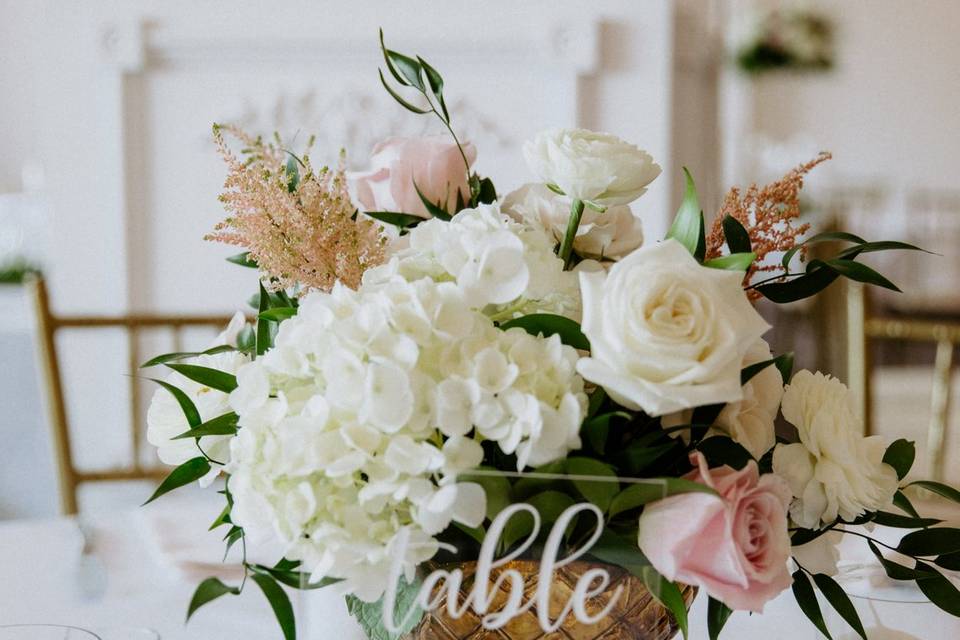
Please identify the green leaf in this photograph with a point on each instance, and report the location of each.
(668, 594)
(488, 193)
(223, 518)
(784, 363)
(732, 262)
(180, 355)
(244, 260)
(799, 288)
(807, 599)
(433, 209)
(497, 489)
(840, 602)
(826, 236)
(903, 503)
(233, 536)
(701, 251)
(860, 273)
(292, 578)
(930, 542)
(748, 373)
(638, 494)
(213, 378)
(407, 67)
(939, 590)
(900, 455)
(225, 425)
(803, 536)
(434, 79)
(186, 404)
(279, 602)
(189, 471)
(247, 339)
(688, 223)
(278, 314)
(370, 614)
(265, 329)
(883, 245)
(717, 615)
(638, 456)
(894, 570)
(596, 429)
(208, 591)
(402, 220)
(548, 324)
(738, 240)
(599, 492)
(903, 522)
(949, 561)
(549, 504)
(942, 490)
(293, 173)
(390, 67)
(396, 96)
(723, 450)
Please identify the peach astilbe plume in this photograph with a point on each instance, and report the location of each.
(297, 223)
(769, 215)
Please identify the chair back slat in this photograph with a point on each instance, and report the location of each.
(47, 326)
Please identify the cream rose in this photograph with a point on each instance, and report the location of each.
(667, 333)
(589, 166)
(610, 235)
(833, 471)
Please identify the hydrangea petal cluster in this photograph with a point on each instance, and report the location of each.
(506, 268)
(357, 423)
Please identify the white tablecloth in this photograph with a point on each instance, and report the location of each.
(38, 560)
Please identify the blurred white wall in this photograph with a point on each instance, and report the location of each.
(114, 101)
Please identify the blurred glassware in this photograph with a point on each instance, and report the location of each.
(45, 632)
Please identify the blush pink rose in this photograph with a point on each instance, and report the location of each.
(434, 162)
(735, 546)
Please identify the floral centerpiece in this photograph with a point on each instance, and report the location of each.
(434, 367)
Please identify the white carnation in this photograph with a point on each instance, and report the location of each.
(165, 419)
(359, 420)
(833, 471)
(505, 268)
(604, 236)
(590, 166)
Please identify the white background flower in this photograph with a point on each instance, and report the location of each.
(833, 471)
(165, 419)
(666, 333)
(590, 166)
(609, 235)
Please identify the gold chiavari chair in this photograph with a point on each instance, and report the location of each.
(863, 328)
(48, 325)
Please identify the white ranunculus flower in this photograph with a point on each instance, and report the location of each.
(504, 268)
(590, 166)
(750, 420)
(604, 236)
(357, 423)
(667, 333)
(165, 419)
(833, 471)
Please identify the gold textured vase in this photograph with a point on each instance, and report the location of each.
(635, 616)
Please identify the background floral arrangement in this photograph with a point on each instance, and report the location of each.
(421, 343)
(796, 38)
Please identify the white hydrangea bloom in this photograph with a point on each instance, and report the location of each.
(165, 419)
(357, 423)
(505, 268)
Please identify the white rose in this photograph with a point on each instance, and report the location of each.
(749, 421)
(609, 235)
(833, 471)
(667, 333)
(589, 166)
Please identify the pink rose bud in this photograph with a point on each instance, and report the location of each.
(735, 546)
(434, 162)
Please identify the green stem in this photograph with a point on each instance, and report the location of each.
(573, 224)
